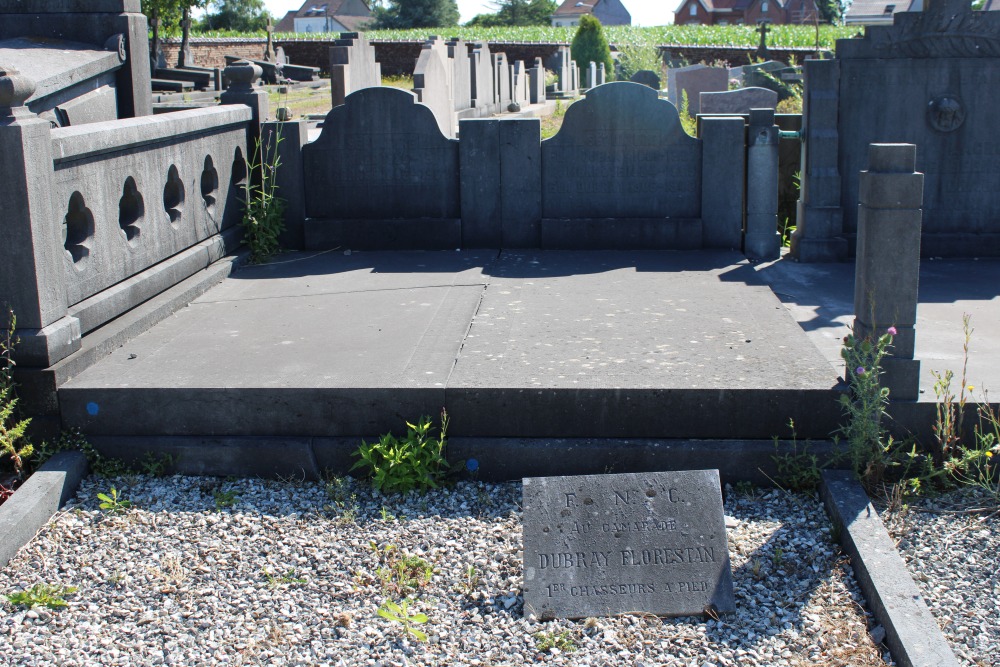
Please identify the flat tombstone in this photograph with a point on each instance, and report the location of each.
(600, 545)
(647, 77)
(738, 101)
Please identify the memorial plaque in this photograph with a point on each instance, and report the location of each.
(600, 545)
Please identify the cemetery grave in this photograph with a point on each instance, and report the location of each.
(588, 308)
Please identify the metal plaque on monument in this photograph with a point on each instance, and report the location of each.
(601, 545)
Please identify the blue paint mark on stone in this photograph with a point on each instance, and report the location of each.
(93, 409)
(472, 465)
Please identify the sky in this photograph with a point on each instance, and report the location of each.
(644, 12)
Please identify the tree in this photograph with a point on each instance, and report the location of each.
(516, 12)
(830, 11)
(590, 45)
(238, 15)
(401, 14)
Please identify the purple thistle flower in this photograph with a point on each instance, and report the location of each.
(860, 370)
(891, 331)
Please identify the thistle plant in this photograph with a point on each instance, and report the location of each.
(864, 407)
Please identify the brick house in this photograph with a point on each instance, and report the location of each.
(736, 12)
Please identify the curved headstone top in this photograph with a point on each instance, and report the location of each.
(623, 107)
(381, 156)
(621, 153)
(384, 110)
(15, 88)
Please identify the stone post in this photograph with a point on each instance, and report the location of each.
(887, 267)
(762, 241)
(33, 265)
(819, 226)
(241, 76)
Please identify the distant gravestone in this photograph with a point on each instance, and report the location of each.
(647, 77)
(738, 101)
(501, 80)
(536, 83)
(481, 73)
(432, 79)
(352, 66)
(461, 79)
(600, 545)
(694, 81)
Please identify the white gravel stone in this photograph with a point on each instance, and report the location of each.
(953, 555)
(290, 576)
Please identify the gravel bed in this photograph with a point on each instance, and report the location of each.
(290, 575)
(954, 556)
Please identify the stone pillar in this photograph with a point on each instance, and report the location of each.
(33, 265)
(887, 267)
(479, 178)
(521, 182)
(286, 138)
(241, 76)
(762, 241)
(723, 173)
(818, 235)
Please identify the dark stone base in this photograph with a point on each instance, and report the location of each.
(411, 234)
(621, 234)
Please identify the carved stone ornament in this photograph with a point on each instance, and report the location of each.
(949, 29)
(117, 43)
(945, 113)
(242, 74)
(15, 88)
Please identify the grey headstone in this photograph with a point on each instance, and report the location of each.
(432, 84)
(381, 156)
(621, 153)
(352, 66)
(483, 88)
(501, 80)
(461, 80)
(600, 545)
(695, 80)
(738, 101)
(647, 77)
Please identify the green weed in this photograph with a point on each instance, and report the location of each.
(416, 461)
(13, 443)
(42, 595)
(113, 502)
(399, 572)
(287, 579)
(264, 210)
(225, 499)
(400, 613)
(546, 641)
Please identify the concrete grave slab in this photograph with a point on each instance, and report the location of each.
(600, 545)
(332, 343)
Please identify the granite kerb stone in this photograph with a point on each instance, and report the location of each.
(34, 503)
(912, 634)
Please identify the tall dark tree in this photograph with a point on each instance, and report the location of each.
(830, 11)
(238, 15)
(517, 12)
(401, 14)
(590, 45)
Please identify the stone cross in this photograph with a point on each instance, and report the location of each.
(762, 51)
(184, 58)
(269, 55)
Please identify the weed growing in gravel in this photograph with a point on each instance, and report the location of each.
(399, 572)
(156, 465)
(74, 440)
(400, 613)
(52, 596)
(471, 580)
(546, 641)
(287, 579)
(345, 502)
(225, 499)
(416, 461)
(799, 469)
(113, 502)
(13, 443)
